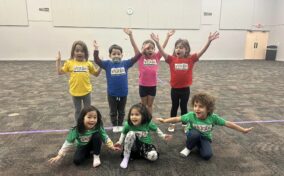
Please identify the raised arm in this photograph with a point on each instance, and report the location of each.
(169, 34)
(169, 120)
(132, 41)
(97, 59)
(211, 37)
(58, 64)
(156, 40)
(236, 127)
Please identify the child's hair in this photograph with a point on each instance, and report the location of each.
(185, 43)
(84, 46)
(145, 114)
(114, 46)
(149, 41)
(205, 99)
(80, 122)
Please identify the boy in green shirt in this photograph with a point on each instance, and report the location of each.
(200, 124)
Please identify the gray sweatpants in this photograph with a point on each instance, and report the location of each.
(77, 101)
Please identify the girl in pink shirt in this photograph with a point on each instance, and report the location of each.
(181, 66)
(148, 65)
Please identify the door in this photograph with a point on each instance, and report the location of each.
(256, 44)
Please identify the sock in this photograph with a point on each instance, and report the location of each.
(96, 161)
(124, 162)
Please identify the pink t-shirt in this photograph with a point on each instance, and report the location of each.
(148, 69)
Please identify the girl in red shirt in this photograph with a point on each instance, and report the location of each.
(181, 65)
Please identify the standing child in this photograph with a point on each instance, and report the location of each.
(181, 66)
(117, 82)
(136, 135)
(80, 68)
(200, 124)
(148, 66)
(88, 135)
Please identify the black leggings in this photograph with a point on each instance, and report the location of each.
(83, 152)
(180, 97)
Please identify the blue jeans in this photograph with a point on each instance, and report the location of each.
(195, 139)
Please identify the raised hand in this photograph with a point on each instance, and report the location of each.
(95, 44)
(58, 57)
(171, 33)
(127, 31)
(213, 36)
(155, 37)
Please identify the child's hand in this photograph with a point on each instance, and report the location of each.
(96, 46)
(171, 33)
(160, 120)
(127, 31)
(58, 57)
(213, 36)
(117, 145)
(155, 37)
(168, 137)
(114, 148)
(246, 130)
(54, 160)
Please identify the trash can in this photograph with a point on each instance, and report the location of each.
(271, 51)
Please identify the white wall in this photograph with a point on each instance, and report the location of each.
(40, 40)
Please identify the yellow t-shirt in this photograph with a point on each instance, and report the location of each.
(79, 82)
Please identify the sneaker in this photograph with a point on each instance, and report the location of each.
(120, 128)
(115, 129)
(96, 161)
(184, 128)
(172, 128)
(185, 152)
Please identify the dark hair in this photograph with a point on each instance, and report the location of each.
(114, 46)
(80, 121)
(205, 99)
(185, 43)
(145, 114)
(84, 46)
(149, 41)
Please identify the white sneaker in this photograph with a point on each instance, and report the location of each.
(115, 129)
(172, 128)
(185, 152)
(96, 161)
(184, 128)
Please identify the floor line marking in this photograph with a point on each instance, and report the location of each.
(109, 128)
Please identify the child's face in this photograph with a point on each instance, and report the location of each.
(116, 55)
(79, 53)
(200, 110)
(149, 49)
(180, 50)
(90, 120)
(135, 117)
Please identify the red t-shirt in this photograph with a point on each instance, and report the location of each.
(181, 70)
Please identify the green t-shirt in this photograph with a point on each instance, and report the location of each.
(141, 131)
(83, 139)
(205, 126)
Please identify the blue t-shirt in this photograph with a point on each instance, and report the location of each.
(117, 77)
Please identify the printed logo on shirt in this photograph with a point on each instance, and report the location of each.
(85, 138)
(140, 134)
(118, 71)
(149, 62)
(181, 66)
(80, 69)
(202, 128)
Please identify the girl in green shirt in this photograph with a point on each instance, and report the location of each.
(200, 124)
(88, 136)
(136, 135)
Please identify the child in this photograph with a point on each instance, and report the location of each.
(88, 136)
(136, 135)
(80, 68)
(181, 66)
(148, 66)
(200, 124)
(117, 82)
